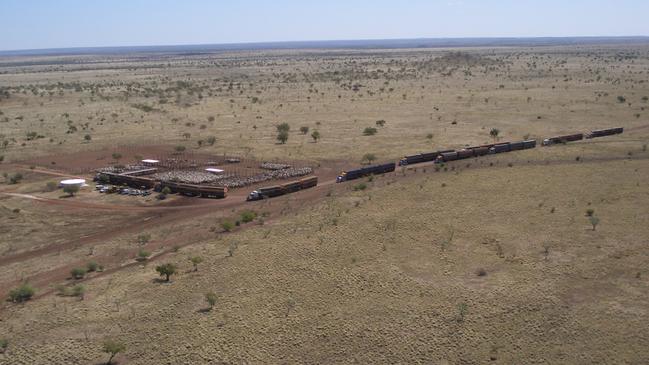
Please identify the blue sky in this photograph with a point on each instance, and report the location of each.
(29, 24)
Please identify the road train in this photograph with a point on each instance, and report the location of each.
(277, 190)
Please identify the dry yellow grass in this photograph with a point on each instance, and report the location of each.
(490, 261)
(380, 275)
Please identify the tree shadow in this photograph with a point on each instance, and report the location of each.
(204, 310)
(160, 281)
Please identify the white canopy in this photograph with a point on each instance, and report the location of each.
(214, 170)
(150, 161)
(79, 182)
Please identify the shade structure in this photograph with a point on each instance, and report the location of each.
(214, 170)
(73, 182)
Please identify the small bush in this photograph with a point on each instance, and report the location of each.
(22, 293)
(590, 212)
(15, 178)
(78, 273)
(481, 272)
(4, 343)
(210, 298)
(227, 226)
(248, 216)
(92, 266)
(71, 189)
(142, 255)
(361, 186)
(304, 130)
(594, 221)
(50, 186)
(112, 348)
(369, 131)
(316, 136)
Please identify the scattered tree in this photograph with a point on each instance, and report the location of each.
(284, 127)
(282, 136)
(369, 157)
(4, 343)
(113, 348)
(304, 130)
(50, 186)
(210, 298)
(369, 131)
(462, 310)
(594, 221)
(71, 189)
(87, 138)
(316, 136)
(166, 270)
(380, 123)
(195, 261)
(211, 140)
(494, 132)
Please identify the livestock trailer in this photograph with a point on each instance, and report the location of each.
(365, 171)
(277, 190)
(563, 139)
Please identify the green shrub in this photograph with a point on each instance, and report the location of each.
(71, 189)
(50, 186)
(142, 255)
(361, 186)
(248, 216)
(22, 293)
(112, 348)
(78, 273)
(227, 226)
(166, 270)
(369, 131)
(4, 343)
(210, 297)
(92, 266)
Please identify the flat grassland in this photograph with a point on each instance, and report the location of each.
(488, 260)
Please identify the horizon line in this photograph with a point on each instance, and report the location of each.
(246, 45)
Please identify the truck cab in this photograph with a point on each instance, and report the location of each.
(403, 162)
(254, 195)
(341, 177)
